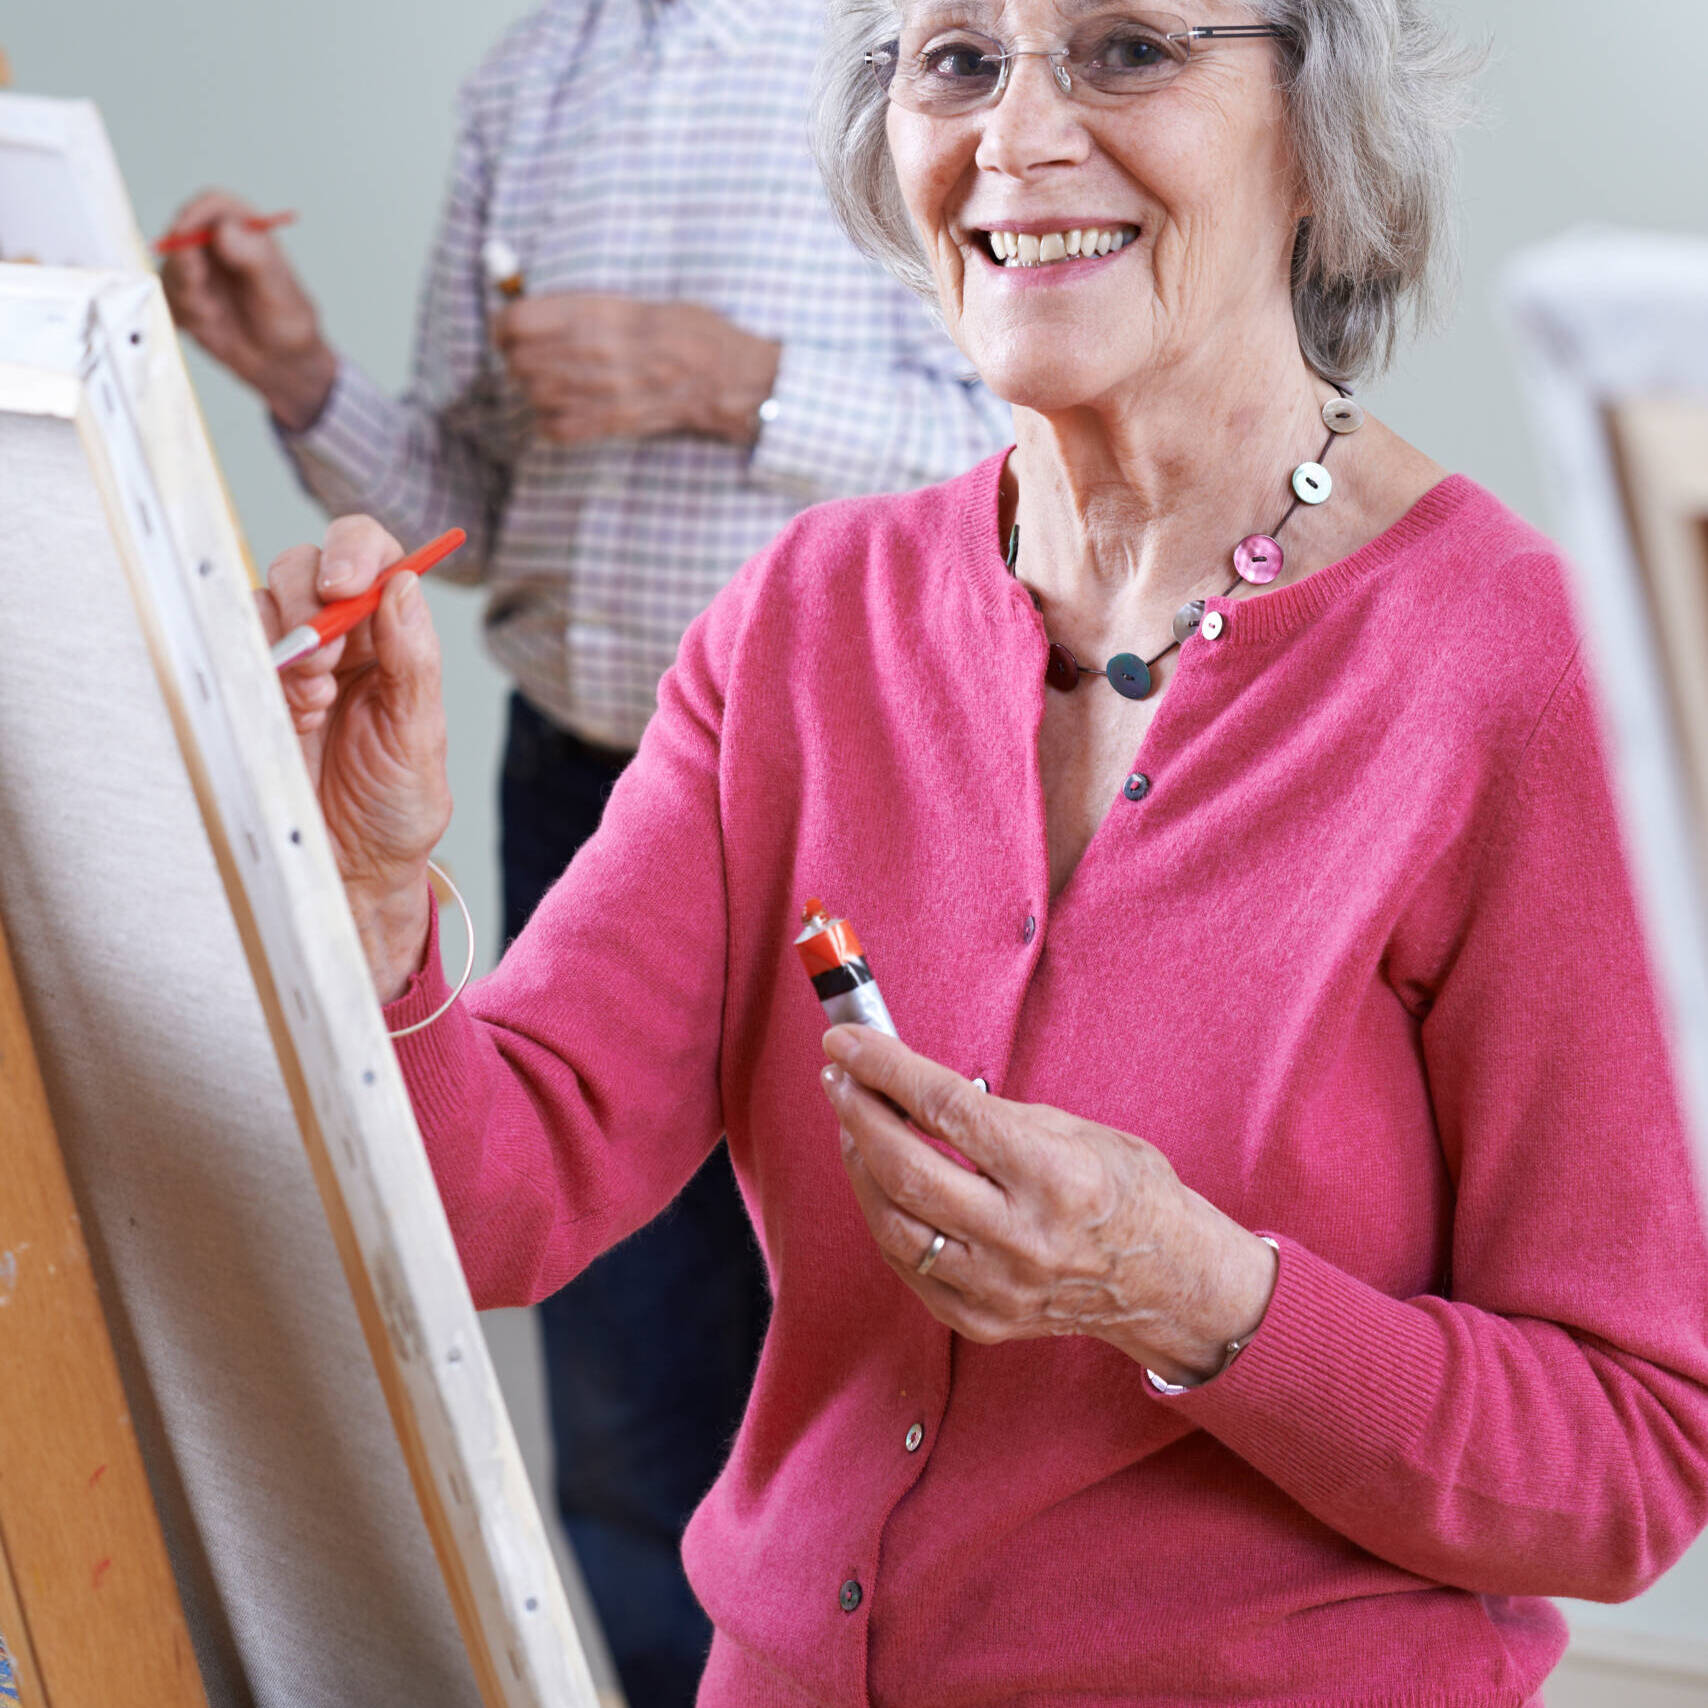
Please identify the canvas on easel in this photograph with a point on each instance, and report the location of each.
(303, 1365)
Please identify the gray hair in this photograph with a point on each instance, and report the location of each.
(1375, 90)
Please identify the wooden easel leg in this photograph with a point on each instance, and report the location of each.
(88, 1606)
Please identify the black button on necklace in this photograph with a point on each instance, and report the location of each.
(1129, 676)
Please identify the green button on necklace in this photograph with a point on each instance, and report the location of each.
(1258, 559)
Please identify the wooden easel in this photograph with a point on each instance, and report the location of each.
(89, 1609)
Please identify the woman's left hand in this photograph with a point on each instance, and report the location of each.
(1068, 1227)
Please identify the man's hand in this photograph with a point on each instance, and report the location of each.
(239, 299)
(609, 367)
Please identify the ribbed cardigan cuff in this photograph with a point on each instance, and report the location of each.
(1333, 1391)
(437, 1064)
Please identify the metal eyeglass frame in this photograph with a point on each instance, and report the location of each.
(1057, 56)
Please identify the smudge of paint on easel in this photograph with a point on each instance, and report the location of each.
(8, 1678)
(97, 1474)
(102, 1567)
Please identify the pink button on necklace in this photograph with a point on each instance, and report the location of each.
(1258, 559)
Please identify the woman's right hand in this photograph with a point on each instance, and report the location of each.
(371, 720)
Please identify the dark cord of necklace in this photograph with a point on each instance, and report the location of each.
(1012, 559)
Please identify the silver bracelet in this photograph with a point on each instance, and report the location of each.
(468, 966)
(1233, 1350)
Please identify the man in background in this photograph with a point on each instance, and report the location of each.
(698, 354)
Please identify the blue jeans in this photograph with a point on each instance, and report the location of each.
(649, 1352)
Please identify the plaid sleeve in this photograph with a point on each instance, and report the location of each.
(828, 433)
(438, 457)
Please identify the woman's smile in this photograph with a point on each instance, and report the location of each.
(1045, 244)
(1050, 252)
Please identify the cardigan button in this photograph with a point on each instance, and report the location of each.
(1029, 930)
(850, 1595)
(1136, 786)
(915, 1435)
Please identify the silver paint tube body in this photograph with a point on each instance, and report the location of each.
(861, 1006)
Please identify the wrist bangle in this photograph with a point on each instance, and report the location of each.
(1232, 1351)
(468, 965)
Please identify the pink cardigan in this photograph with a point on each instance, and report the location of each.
(1362, 961)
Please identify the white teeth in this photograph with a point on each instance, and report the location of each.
(1028, 249)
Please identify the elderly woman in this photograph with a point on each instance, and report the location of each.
(1287, 1272)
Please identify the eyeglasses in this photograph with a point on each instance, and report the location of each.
(1106, 60)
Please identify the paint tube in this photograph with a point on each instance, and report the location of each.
(836, 964)
(503, 268)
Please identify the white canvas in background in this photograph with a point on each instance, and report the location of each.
(1601, 317)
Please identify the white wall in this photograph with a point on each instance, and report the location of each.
(341, 108)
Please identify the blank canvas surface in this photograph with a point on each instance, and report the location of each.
(306, 1569)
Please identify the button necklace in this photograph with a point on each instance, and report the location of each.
(1258, 559)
